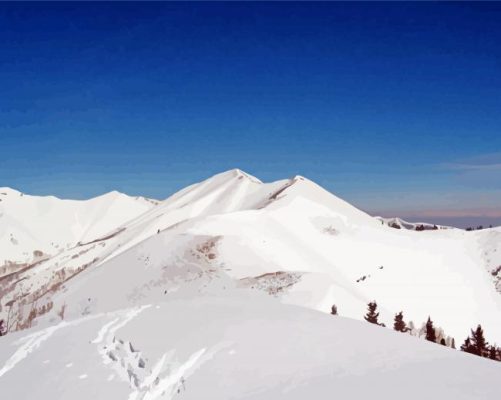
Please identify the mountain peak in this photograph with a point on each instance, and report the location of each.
(237, 173)
(111, 195)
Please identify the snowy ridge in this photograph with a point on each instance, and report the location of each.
(230, 238)
(290, 225)
(50, 225)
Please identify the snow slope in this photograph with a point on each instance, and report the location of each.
(234, 346)
(323, 248)
(50, 225)
(228, 238)
(331, 251)
(489, 241)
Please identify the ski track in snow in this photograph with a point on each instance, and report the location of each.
(104, 330)
(168, 376)
(170, 383)
(30, 343)
(165, 378)
(107, 333)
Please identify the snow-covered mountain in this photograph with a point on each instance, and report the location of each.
(48, 225)
(200, 292)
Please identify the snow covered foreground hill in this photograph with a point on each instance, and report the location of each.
(188, 295)
(236, 346)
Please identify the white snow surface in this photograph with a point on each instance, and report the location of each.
(234, 346)
(50, 225)
(215, 292)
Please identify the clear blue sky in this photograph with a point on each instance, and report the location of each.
(395, 107)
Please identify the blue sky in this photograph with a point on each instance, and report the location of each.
(395, 107)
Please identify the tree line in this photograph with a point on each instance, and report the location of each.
(475, 343)
(478, 228)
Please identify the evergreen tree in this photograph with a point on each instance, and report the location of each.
(372, 315)
(442, 342)
(478, 342)
(3, 329)
(430, 331)
(399, 323)
(467, 346)
(334, 310)
(493, 353)
(453, 343)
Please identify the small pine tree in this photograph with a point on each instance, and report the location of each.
(430, 331)
(442, 342)
(493, 353)
(453, 343)
(467, 346)
(399, 323)
(334, 310)
(372, 315)
(3, 329)
(478, 342)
